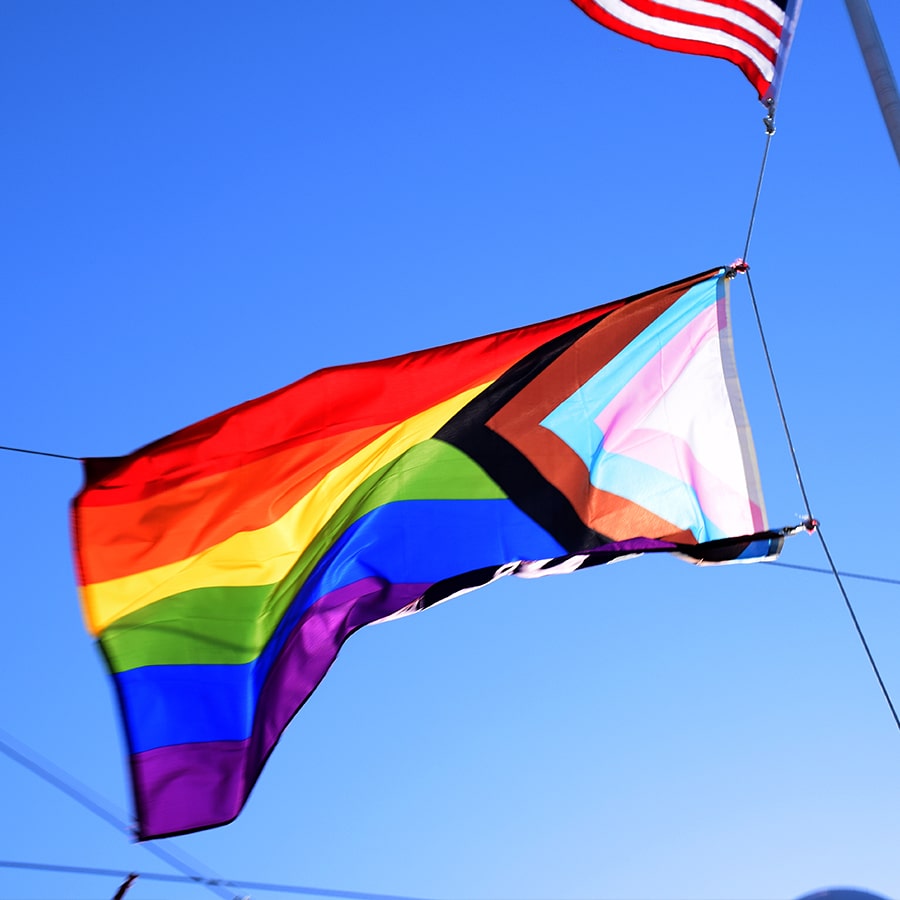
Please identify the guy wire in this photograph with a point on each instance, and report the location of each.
(812, 521)
(769, 122)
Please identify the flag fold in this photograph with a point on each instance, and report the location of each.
(222, 567)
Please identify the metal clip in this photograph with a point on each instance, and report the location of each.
(769, 120)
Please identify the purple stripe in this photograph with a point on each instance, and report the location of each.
(188, 787)
(192, 786)
(634, 545)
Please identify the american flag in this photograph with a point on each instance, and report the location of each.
(753, 34)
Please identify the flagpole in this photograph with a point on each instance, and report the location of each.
(879, 67)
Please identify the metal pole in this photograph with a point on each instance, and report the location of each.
(879, 67)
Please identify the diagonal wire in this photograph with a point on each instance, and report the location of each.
(856, 625)
(63, 781)
(769, 122)
(879, 578)
(223, 887)
(40, 453)
(249, 885)
(812, 522)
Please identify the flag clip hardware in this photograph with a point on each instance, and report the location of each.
(738, 267)
(808, 525)
(769, 120)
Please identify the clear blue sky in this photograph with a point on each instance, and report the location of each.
(204, 201)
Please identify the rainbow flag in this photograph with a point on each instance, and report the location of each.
(223, 566)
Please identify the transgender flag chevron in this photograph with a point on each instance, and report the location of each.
(223, 567)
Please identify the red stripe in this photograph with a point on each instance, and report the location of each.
(327, 404)
(682, 45)
(746, 7)
(206, 510)
(681, 16)
(752, 11)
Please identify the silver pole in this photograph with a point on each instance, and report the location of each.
(879, 67)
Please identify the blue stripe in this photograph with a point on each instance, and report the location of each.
(412, 541)
(761, 549)
(180, 704)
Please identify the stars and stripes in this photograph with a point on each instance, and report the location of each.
(753, 34)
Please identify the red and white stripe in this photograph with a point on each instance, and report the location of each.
(753, 34)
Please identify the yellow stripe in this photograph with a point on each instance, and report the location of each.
(266, 555)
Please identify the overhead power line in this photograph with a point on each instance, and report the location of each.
(39, 453)
(197, 879)
(67, 783)
(816, 569)
(822, 571)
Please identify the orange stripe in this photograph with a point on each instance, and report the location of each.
(180, 510)
(242, 469)
(196, 515)
(266, 555)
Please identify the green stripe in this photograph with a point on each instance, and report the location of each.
(231, 625)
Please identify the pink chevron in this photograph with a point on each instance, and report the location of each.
(631, 424)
